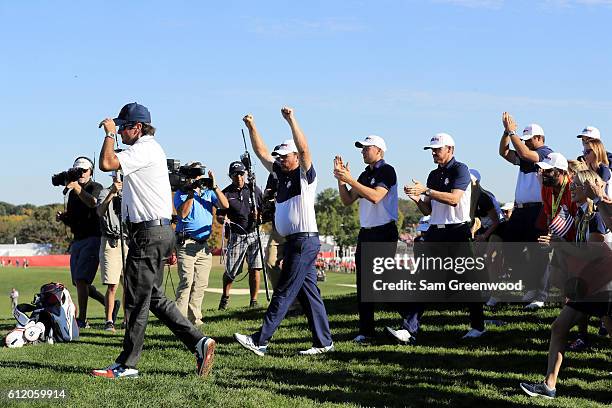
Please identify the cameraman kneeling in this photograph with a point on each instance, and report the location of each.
(83, 221)
(194, 209)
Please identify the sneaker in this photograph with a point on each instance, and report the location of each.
(109, 326)
(538, 390)
(205, 354)
(402, 336)
(247, 343)
(116, 307)
(578, 345)
(535, 305)
(115, 371)
(529, 296)
(492, 302)
(474, 334)
(317, 350)
(223, 303)
(83, 324)
(362, 340)
(253, 304)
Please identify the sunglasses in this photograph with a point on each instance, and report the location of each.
(126, 126)
(574, 186)
(587, 151)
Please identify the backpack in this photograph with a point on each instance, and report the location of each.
(52, 318)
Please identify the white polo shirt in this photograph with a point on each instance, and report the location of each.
(295, 201)
(528, 186)
(453, 175)
(146, 187)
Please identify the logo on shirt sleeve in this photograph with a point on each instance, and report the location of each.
(446, 181)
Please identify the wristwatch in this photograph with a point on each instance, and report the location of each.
(428, 192)
(111, 135)
(512, 133)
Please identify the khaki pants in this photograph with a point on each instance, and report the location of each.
(194, 263)
(274, 254)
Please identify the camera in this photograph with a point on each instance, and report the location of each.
(66, 177)
(184, 177)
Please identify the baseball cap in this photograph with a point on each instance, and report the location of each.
(236, 167)
(532, 130)
(507, 206)
(590, 131)
(288, 146)
(372, 140)
(475, 175)
(133, 112)
(553, 160)
(439, 140)
(82, 163)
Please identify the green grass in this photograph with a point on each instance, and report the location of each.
(440, 371)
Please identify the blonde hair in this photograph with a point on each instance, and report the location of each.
(582, 224)
(599, 150)
(574, 166)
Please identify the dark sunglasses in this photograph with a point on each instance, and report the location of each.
(127, 126)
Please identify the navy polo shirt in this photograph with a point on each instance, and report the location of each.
(239, 211)
(451, 176)
(528, 186)
(295, 200)
(373, 215)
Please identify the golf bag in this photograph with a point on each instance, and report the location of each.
(51, 318)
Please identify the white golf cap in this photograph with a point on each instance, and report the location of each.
(372, 140)
(553, 161)
(507, 206)
(82, 163)
(440, 140)
(288, 146)
(423, 224)
(532, 130)
(475, 175)
(590, 131)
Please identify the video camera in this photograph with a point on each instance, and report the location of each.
(66, 177)
(184, 177)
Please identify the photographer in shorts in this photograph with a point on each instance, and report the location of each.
(194, 207)
(81, 217)
(111, 253)
(241, 228)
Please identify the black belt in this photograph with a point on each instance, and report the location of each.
(527, 205)
(149, 224)
(387, 225)
(443, 226)
(301, 235)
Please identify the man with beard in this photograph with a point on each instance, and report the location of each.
(529, 149)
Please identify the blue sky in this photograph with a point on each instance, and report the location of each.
(404, 70)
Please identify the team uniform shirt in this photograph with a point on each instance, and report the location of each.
(295, 201)
(596, 224)
(486, 202)
(146, 186)
(373, 215)
(561, 223)
(239, 211)
(198, 223)
(528, 186)
(453, 175)
(82, 220)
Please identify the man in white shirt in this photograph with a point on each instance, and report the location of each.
(146, 208)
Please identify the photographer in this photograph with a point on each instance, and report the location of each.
(111, 253)
(194, 207)
(146, 208)
(81, 217)
(242, 240)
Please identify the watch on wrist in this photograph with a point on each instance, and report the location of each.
(428, 192)
(512, 133)
(111, 135)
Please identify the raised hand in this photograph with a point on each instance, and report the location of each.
(287, 113)
(249, 121)
(508, 122)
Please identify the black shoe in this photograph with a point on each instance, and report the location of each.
(224, 302)
(253, 304)
(116, 307)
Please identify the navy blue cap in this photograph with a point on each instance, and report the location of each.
(133, 112)
(236, 167)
